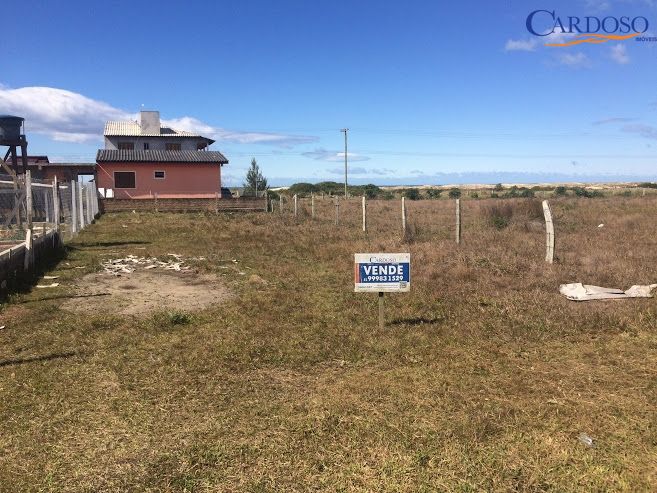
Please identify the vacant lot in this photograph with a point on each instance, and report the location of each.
(483, 380)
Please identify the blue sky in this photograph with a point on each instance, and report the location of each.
(431, 91)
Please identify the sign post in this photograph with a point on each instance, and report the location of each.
(382, 273)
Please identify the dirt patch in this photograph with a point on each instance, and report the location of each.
(145, 291)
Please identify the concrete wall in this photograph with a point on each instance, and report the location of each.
(183, 180)
(12, 272)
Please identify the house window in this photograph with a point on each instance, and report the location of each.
(124, 179)
(159, 175)
(146, 146)
(172, 146)
(126, 146)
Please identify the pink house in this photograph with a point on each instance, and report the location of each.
(145, 159)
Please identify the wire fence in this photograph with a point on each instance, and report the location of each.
(44, 206)
(577, 225)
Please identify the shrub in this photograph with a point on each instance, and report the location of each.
(474, 195)
(560, 191)
(526, 193)
(454, 193)
(589, 194)
(498, 187)
(433, 193)
(387, 195)
(412, 194)
(647, 185)
(493, 195)
(176, 317)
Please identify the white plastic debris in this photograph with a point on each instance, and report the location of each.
(586, 440)
(586, 292)
(52, 285)
(51, 277)
(129, 264)
(601, 225)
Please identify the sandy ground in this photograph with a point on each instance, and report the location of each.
(145, 291)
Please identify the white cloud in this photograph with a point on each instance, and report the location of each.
(61, 115)
(575, 60)
(618, 53)
(647, 131)
(71, 117)
(520, 45)
(352, 171)
(321, 154)
(605, 121)
(238, 137)
(559, 37)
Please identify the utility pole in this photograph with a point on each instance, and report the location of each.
(345, 130)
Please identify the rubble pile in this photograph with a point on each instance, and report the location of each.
(129, 264)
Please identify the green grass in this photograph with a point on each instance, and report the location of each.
(482, 380)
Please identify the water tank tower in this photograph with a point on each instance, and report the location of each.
(11, 135)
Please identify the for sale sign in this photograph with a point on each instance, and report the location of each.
(382, 272)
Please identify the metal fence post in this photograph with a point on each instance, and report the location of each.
(403, 211)
(364, 215)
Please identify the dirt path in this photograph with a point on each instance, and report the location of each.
(145, 291)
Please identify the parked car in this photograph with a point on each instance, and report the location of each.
(226, 193)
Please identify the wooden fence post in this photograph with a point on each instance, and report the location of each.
(296, 207)
(281, 202)
(312, 205)
(549, 233)
(364, 215)
(74, 209)
(337, 210)
(458, 221)
(403, 211)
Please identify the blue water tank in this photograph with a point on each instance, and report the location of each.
(10, 127)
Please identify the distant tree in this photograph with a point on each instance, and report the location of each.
(412, 194)
(498, 187)
(371, 191)
(433, 193)
(560, 191)
(454, 193)
(303, 189)
(254, 180)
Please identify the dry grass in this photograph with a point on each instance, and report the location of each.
(482, 381)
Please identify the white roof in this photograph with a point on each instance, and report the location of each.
(133, 129)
